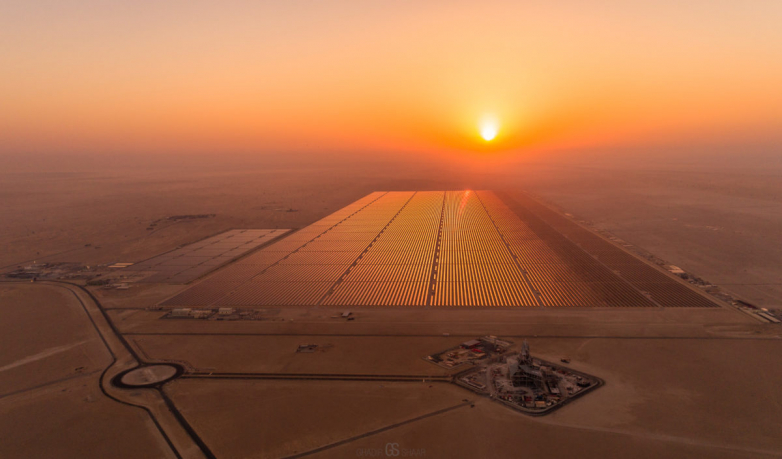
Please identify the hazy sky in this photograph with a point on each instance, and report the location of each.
(247, 76)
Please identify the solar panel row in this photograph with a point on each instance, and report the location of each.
(378, 294)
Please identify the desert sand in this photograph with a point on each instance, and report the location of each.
(680, 382)
(719, 220)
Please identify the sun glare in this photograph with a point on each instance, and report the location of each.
(489, 130)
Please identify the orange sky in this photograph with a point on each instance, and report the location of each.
(249, 76)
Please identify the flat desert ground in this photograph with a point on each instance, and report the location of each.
(680, 382)
(721, 220)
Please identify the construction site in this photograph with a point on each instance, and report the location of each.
(530, 385)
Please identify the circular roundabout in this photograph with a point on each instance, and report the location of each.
(147, 375)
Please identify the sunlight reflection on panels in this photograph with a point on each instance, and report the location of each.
(433, 248)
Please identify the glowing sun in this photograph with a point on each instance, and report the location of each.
(489, 130)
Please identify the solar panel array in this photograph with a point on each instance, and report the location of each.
(435, 248)
(194, 260)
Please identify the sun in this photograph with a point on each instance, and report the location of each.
(489, 129)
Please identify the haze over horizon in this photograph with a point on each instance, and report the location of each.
(337, 76)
